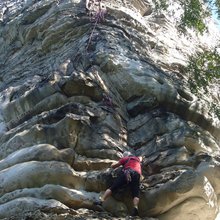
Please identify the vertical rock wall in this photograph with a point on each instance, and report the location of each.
(76, 93)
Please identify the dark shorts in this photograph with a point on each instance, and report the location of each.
(134, 184)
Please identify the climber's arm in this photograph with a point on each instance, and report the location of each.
(115, 165)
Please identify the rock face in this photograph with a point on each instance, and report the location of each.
(77, 91)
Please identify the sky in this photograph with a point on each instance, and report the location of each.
(217, 21)
(215, 16)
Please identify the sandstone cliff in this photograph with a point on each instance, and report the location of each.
(76, 93)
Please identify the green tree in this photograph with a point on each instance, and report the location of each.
(161, 5)
(194, 12)
(203, 70)
(193, 16)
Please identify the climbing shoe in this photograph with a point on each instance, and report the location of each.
(134, 212)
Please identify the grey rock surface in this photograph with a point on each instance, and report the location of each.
(75, 94)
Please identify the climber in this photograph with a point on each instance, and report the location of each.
(96, 10)
(130, 175)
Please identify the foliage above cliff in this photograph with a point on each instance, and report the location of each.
(194, 12)
(193, 15)
(204, 70)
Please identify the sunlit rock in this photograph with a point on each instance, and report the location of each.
(76, 93)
